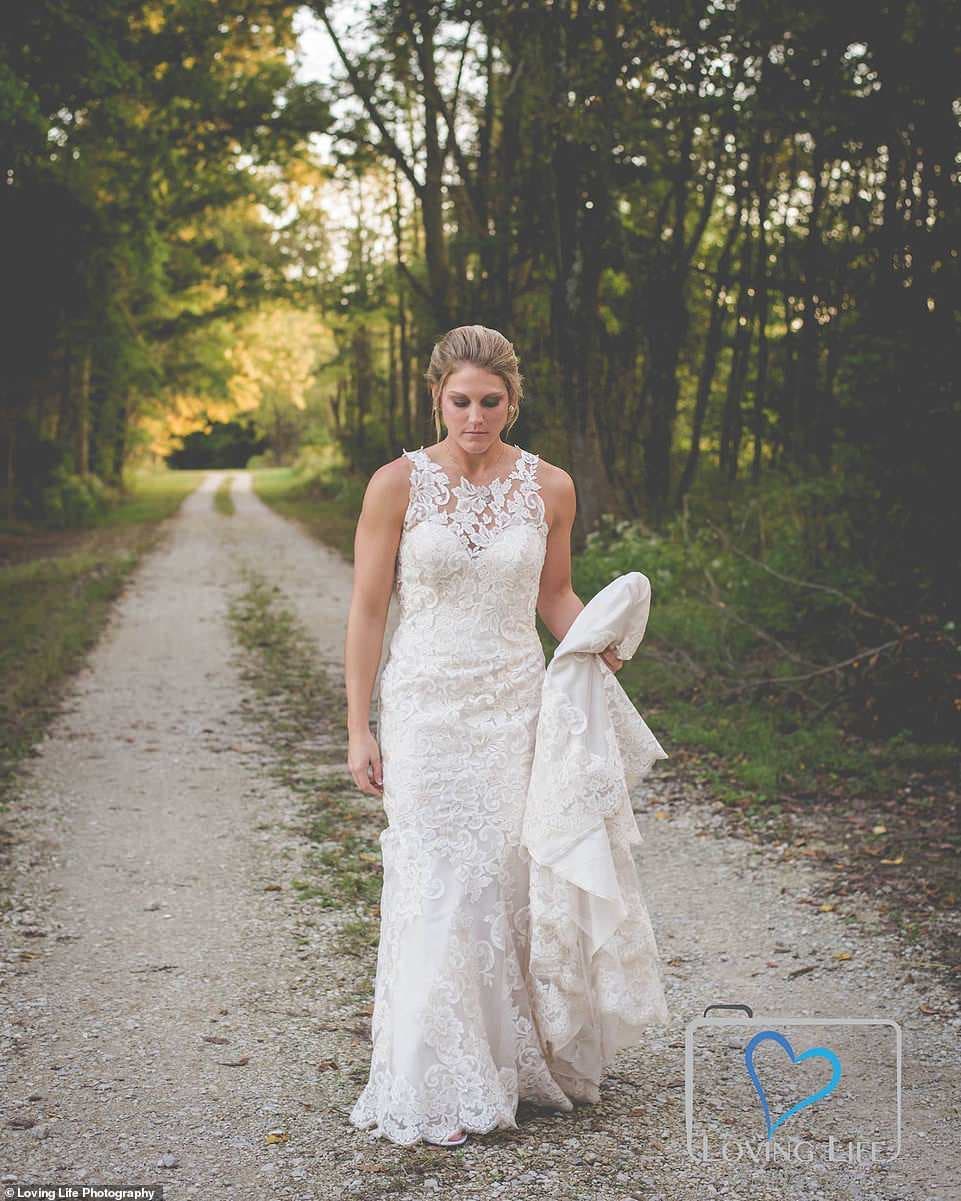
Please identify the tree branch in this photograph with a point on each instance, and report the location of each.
(388, 145)
(850, 601)
(433, 93)
(820, 671)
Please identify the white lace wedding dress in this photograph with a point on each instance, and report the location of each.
(454, 1045)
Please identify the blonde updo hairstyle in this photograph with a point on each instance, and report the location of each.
(481, 347)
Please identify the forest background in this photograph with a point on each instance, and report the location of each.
(723, 237)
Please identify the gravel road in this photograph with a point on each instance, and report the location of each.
(165, 1005)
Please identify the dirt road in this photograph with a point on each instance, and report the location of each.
(164, 1009)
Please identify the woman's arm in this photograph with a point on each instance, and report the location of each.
(375, 556)
(557, 602)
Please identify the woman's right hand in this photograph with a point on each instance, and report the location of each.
(364, 763)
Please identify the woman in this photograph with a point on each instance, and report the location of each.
(475, 537)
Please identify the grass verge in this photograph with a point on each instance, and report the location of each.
(329, 517)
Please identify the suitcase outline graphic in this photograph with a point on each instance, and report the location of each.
(705, 1021)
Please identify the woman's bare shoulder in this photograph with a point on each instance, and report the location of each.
(388, 489)
(557, 489)
(549, 473)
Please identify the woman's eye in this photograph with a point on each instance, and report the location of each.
(488, 404)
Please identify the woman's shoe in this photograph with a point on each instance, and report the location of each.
(452, 1140)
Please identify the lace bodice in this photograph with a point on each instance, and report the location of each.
(469, 562)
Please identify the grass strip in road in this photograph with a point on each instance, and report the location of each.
(223, 499)
(303, 718)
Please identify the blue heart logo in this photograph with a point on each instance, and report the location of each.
(812, 1053)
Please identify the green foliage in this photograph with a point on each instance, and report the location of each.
(319, 474)
(775, 595)
(72, 501)
(135, 144)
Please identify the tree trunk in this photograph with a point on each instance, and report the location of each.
(712, 350)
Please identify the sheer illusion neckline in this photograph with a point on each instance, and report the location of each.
(514, 472)
(475, 513)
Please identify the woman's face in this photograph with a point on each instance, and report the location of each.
(474, 407)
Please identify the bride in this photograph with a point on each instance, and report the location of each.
(473, 534)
